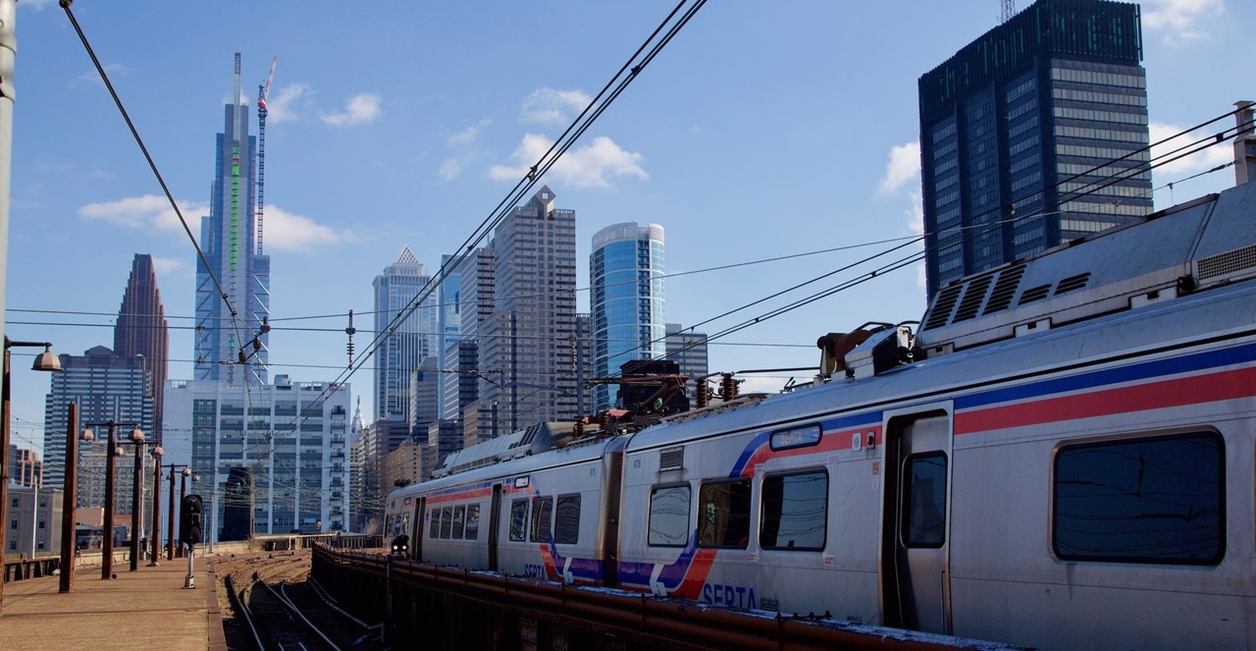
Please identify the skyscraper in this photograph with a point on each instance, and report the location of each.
(626, 296)
(689, 350)
(407, 334)
(106, 387)
(1021, 132)
(530, 336)
(228, 238)
(142, 330)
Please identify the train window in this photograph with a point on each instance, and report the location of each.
(669, 516)
(542, 514)
(724, 514)
(795, 511)
(460, 514)
(924, 500)
(1147, 500)
(446, 521)
(567, 519)
(433, 517)
(518, 520)
(473, 522)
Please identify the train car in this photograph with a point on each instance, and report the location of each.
(1062, 456)
(549, 515)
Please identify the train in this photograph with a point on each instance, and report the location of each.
(1060, 454)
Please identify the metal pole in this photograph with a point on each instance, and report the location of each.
(170, 519)
(34, 511)
(106, 545)
(68, 501)
(136, 504)
(156, 533)
(4, 448)
(183, 492)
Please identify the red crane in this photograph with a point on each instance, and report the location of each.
(263, 91)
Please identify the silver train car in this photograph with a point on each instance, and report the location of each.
(1063, 456)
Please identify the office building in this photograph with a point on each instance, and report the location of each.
(33, 530)
(1033, 135)
(272, 459)
(449, 329)
(106, 388)
(142, 330)
(689, 350)
(528, 341)
(406, 332)
(231, 242)
(626, 296)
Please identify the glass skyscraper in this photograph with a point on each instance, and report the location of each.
(1034, 135)
(228, 240)
(406, 341)
(626, 297)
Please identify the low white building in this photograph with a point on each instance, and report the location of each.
(272, 459)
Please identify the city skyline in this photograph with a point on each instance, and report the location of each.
(363, 155)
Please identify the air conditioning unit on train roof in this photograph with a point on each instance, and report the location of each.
(1196, 244)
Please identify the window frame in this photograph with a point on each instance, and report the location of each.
(566, 501)
(473, 515)
(1142, 438)
(518, 522)
(746, 512)
(688, 529)
(764, 517)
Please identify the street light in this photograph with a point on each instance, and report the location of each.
(46, 361)
(113, 450)
(156, 529)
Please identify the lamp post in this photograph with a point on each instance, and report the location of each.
(46, 361)
(156, 528)
(113, 450)
(137, 439)
(187, 472)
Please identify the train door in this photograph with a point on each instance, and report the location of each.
(417, 529)
(915, 551)
(494, 525)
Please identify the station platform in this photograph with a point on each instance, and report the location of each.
(147, 608)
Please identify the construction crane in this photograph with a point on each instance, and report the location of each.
(263, 91)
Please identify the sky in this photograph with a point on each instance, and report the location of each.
(763, 130)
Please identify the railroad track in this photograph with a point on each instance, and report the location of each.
(273, 607)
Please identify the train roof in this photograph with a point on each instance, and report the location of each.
(1204, 242)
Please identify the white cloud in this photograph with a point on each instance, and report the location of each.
(147, 212)
(363, 108)
(113, 70)
(170, 267)
(904, 166)
(467, 135)
(36, 5)
(286, 104)
(550, 106)
(583, 167)
(1209, 158)
(1180, 22)
(451, 168)
(287, 231)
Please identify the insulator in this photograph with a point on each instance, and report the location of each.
(701, 394)
(579, 428)
(728, 387)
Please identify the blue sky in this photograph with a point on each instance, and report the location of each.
(764, 129)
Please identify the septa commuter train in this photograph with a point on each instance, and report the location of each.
(1062, 456)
